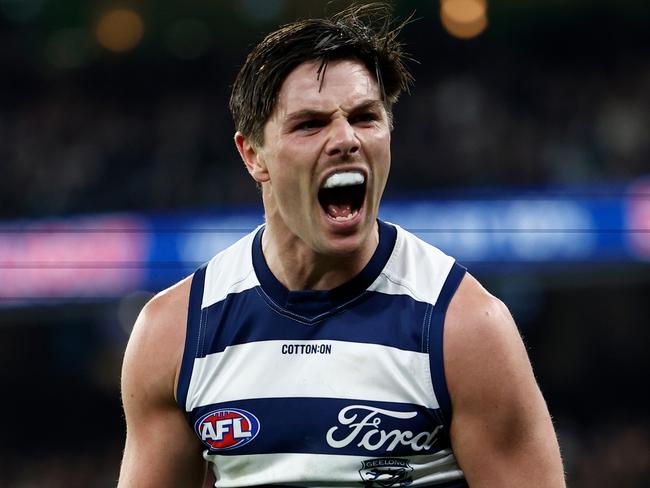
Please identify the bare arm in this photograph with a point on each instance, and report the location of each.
(161, 450)
(501, 430)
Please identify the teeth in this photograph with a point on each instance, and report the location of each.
(347, 178)
(340, 218)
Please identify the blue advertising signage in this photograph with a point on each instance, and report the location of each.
(111, 255)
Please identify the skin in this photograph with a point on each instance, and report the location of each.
(313, 132)
(501, 432)
(161, 450)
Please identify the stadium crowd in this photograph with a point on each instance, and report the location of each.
(72, 151)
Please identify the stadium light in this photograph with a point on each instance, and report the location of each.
(120, 30)
(464, 19)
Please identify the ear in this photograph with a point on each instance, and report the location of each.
(252, 158)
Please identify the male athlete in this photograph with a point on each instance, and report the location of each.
(328, 348)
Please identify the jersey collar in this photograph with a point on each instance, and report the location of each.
(311, 303)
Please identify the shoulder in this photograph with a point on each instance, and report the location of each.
(482, 347)
(473, 311)
(153, 418)
(501, 430)
(169, 304)
(155, 347)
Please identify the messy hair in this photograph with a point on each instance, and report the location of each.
(363, 32)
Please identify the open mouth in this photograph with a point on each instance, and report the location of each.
(342, 195)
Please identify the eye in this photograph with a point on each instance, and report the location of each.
(363, 117)
(310, 124)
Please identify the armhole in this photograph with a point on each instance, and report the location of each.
(192, 332)
(436, 334)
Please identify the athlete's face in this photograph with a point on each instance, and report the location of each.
(326, 157)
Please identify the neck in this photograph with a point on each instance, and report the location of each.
(298, 267)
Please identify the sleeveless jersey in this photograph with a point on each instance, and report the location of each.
(344, 387)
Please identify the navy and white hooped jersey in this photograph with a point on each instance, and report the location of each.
(322, 388)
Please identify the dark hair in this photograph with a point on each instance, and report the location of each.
(365, 32)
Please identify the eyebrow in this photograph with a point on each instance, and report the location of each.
(311, 112)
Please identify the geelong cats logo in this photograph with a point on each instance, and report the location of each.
(227, 428)
(386, 472)
(362, 424)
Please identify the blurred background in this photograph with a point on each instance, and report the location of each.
(522, 150)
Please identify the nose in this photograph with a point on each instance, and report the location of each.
(343, 139)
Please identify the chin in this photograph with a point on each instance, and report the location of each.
(348, 243)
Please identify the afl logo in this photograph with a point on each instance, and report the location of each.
(227, 428)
